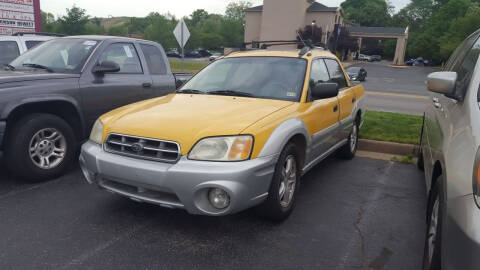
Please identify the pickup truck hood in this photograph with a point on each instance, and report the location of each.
(21, 76)
(188, 118)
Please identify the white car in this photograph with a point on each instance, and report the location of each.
(363, 57)
(16, 44)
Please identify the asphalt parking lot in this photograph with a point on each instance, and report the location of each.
(393, 89)
(358, 214)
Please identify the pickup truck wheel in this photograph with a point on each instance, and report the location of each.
(285, 183)
(433, 238)
(40, 147)
(349, 150)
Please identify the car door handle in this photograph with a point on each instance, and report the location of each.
(353, 100)
(147, 85)
(437, 105)
(435, 99)
(335, 108)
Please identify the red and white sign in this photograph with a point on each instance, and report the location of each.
(20, 16)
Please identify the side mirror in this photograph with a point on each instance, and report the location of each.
(442, 82)
(106, 67)
(324, 90)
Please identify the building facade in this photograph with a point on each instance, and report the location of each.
(280, 19)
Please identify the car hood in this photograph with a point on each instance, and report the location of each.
(21, 76)
(188, 118)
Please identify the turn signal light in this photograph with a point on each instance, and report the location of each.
(241, 148)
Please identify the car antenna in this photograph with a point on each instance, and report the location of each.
(307, 45)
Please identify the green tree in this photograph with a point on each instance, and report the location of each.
(368, 12)
(236, 10)
(74, 22)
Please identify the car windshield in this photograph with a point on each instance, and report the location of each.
(63, 55)
(260, 77)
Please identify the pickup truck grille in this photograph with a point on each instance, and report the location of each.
(143, 148)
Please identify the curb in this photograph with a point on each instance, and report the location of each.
(387, 147)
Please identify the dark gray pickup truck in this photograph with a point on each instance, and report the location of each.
(51, 95)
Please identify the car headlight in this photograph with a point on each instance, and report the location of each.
(229, 148)
(97, 132)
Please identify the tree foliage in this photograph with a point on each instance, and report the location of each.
(367, 12)
(208, 31)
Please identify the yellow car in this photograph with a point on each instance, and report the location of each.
(239, 134)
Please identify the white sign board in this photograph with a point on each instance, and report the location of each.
(19, 16)
(181, 33)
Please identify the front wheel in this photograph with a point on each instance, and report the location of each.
(39, 147)
(285, 183)
(433, 238)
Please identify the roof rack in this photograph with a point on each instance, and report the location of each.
(307, 45)
(38, 34)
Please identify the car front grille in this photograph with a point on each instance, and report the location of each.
(143, 148)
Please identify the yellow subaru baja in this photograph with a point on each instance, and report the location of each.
(239, 134)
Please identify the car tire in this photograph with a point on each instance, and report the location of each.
(349, 150)
(420, 164)
(40, 147)
(284, 186)
(433, 236)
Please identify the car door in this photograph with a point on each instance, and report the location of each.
(444, 117)
(321, 115)
(163, 81)
(104, 92)
(346, 98)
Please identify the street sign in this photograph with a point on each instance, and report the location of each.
(182, 35)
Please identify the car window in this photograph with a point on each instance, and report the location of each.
(154, 57)
(32, 43)
(279, 78)
(336, 73)
(464, 67)
(125, 55)
(9, 51)
(318, 74)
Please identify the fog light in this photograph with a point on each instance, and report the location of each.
(219, 198)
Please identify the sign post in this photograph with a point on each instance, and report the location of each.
(182, 35)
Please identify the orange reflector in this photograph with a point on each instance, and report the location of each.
(241, 148)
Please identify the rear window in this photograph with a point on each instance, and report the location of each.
(9, 51)
(32, 43)
(154, 57)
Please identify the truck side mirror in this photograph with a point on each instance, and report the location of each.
(324, 90)
(442, 82)
(106, 67)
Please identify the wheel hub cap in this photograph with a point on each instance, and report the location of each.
(432, 231)
(47, 148)
(353, 137)
(289, 180)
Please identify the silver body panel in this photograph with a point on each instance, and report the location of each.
(450, 140)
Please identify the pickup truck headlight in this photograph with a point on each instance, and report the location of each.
(97, 132)
(229, 148)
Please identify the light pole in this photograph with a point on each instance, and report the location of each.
(313, 29)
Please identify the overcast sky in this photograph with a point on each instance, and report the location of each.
(140, 8)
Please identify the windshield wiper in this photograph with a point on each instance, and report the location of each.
(10, 67)
(231, 93)
(32, 65)
(190, 91)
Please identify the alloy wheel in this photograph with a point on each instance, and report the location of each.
(288, 183)
(47, 148)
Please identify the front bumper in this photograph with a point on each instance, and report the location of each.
(184, 184)
(461, 237)
(3, 126)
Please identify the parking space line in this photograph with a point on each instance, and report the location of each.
(396, 95)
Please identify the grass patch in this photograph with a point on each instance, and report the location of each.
(190, 67)
(392, 127)
(406, 159)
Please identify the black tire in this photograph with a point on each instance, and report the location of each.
(272, 208)
(436, 196)
(17, 145)
(349, 150)
(420, 164)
